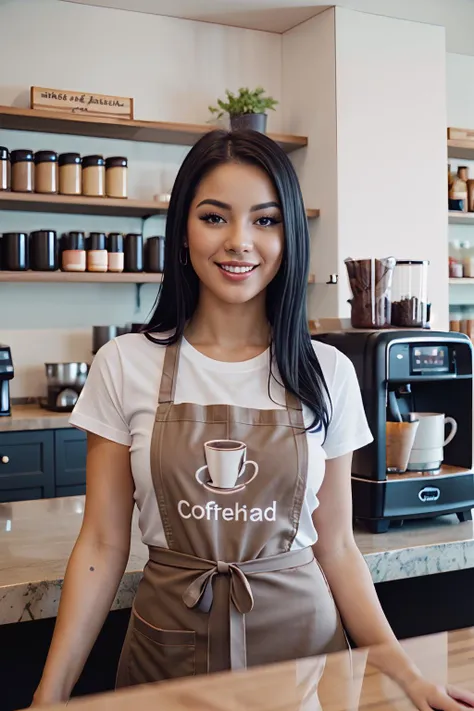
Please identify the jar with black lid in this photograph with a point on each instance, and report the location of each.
(44, 251)
(93, 176)
(4, 169)
(116, 174)
(73, 252)
(115, 252)
(15, 251)
(23, 171)
(46, 172)
(133, 253)
(155, 254)
(97, 257)
(70, 174)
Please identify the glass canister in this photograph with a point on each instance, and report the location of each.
(46, 172)
(371, 283)
(116, 177)
(23, 171)
(410, 294)
(70, 174)
(4, 168)
(93, 176)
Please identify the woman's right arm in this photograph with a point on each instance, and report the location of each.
(95, 568)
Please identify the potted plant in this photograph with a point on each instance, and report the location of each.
(246, 110)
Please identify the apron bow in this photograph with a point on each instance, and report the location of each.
(199, 593)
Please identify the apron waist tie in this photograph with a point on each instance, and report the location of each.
(234, 605)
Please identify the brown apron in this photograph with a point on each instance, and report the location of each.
(228, 592)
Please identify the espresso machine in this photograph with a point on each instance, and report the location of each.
(401, 373)
(6, 374)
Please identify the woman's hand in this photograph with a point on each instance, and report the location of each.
(426, 696)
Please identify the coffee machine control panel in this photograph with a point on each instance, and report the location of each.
(408, 361)
(6, 365)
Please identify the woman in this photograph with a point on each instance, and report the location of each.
(223, 422)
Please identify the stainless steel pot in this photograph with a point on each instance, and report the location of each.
(66, 374)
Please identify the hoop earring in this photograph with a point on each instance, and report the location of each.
(183, 256)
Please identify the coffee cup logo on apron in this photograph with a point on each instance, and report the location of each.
(226, 469)
(226, 472)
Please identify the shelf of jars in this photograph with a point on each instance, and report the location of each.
(89, 277)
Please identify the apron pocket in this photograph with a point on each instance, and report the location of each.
(158, 654)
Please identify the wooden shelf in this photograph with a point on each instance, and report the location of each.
(180, 134)
(36, 202)
(460, 218)
(461, 282)
(88, 278)
(461, 149)
(81, 277)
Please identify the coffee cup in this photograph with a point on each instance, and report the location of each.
(399, 437)
(427, 452)
(227, 462)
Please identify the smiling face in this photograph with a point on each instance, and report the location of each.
(235, 232)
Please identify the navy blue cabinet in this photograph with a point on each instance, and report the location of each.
(42, 464)
(70, 449)
(26, 465)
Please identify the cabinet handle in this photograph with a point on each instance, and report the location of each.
(5, 460)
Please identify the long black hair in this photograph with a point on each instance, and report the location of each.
(291, 344)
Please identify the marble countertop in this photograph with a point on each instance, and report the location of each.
(33, 417)
(36, 539)
(331, 683)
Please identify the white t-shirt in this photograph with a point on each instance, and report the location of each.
(120, 397)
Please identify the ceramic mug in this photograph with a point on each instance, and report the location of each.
(427, 452)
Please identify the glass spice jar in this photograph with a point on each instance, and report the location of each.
(115, 252)
(46, 172)
(70, 174)
(4, 169)
(93, 176)
(116, 177)
(97, 256)
(23, 171)
(73, 252)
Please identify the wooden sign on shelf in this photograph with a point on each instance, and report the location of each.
(77, 102)
(460, 134)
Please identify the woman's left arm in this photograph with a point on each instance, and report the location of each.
(355, 596)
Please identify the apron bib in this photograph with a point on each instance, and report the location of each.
(228, 592)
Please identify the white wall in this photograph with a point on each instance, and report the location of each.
(391, 146)
(174, 69)
(309, 91)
